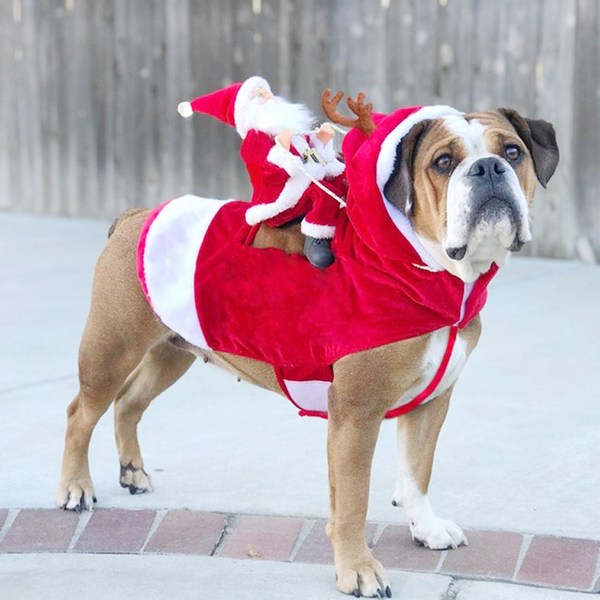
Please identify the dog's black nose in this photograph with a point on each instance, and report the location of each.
(456, 253)
(487, 166)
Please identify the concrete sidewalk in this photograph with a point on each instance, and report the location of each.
(517, 455)
(129, 577)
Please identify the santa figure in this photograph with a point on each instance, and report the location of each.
(284, 156)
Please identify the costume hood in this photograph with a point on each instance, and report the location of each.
(369, 164)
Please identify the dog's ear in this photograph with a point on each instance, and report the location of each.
(399, 189)
(540, 139)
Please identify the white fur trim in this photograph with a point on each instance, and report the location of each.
(334, 168)
(315, 170)
(242, 98)
(291, 193)
(405, 227)
(322, 232)
(281, 157)
(174, 238)
(185, 109)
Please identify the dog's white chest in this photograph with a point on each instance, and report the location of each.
(430, 364)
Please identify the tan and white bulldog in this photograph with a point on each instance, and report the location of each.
(464, 182)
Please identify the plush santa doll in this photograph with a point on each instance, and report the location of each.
(284, 157)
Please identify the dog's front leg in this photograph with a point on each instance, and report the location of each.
(352, 435)
(418, 432)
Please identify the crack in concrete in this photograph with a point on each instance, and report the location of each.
(452, 591)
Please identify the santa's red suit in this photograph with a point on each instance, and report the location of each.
(205, 282)
(282, 180)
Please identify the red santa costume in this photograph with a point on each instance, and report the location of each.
(281, 179)
(205, 282)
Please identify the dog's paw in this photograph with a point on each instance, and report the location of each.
(76, 496)
(136, 480)
(438, 534)
(365, 579)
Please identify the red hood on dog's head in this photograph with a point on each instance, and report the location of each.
(370, 161)
(456, 187)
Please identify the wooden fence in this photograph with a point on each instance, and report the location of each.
(90, 88)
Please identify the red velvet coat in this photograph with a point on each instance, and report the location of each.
(277, 308)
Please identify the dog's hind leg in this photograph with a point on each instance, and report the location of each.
(162, 366)
(119, 331)
(104, 366)
(418, 432)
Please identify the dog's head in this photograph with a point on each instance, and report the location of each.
(466, 182)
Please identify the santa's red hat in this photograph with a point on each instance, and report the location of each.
(229, 104)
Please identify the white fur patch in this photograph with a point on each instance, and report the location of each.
(425, 526)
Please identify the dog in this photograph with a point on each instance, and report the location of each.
(458, 187)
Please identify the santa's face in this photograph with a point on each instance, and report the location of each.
(261, 95)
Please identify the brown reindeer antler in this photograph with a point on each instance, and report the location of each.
(363, 121)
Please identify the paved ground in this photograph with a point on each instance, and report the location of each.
(241, 541)
(240, 477)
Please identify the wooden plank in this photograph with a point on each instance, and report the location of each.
(8, 59)
(554, 210)
(586, 112)
(91, 89)
(405, 85)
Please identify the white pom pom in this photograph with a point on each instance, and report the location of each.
(185, 109)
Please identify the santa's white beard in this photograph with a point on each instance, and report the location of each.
(275, 114)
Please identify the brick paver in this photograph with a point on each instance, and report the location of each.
(116, 531)
(40, 530)
(489, 555)
(188, 532)
(270, 538)
(397, 550)
(552, 562)
(560, 562)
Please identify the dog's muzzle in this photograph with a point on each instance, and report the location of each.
(494, 206)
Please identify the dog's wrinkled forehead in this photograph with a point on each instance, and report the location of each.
(479, 133)
(471, 135)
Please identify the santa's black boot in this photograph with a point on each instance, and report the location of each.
(318, 252)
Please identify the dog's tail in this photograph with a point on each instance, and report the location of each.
(123, 217)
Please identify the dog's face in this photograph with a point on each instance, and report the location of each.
(466, 183)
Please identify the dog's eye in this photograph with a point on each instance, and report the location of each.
(443, 164)
(512, 152)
